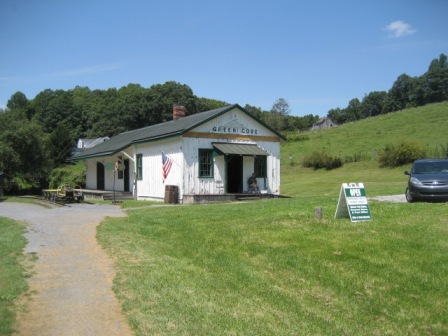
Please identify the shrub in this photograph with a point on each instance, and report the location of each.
(318, 160)
(405, 152)
(71, 175)
(297, 138)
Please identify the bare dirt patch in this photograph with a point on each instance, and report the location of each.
(71, 286)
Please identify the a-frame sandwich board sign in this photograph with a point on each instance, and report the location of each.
(353, 203)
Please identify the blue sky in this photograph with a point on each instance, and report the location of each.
(316, 54)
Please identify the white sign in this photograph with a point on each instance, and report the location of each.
(234, 127)
(353, 203)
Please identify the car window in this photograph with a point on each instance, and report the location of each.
(430, 167)
(420, 168)
(443, 167)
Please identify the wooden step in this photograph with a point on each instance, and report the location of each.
(119, 196)
(248, 198)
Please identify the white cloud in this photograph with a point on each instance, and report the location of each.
(86, 70)
(399, 29)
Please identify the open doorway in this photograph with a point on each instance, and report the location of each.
(126, 175)
(234, 164)
(99, 176)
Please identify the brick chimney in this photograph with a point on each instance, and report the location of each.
(179, 111)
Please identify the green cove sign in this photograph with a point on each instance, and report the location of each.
(353, 203)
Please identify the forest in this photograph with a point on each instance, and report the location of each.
(406, 92)
(37, 135)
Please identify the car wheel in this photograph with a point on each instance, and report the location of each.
(409, 197)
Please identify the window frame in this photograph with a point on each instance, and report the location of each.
(260, 166)
(139, 167)
(205, 172)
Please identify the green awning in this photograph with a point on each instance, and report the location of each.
(239, 149)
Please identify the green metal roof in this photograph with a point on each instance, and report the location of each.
(155, 132)
(239, 149)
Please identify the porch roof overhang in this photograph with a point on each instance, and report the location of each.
(239, 149)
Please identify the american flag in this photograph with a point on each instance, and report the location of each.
(166, 165)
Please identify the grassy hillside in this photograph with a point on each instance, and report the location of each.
(362, 140)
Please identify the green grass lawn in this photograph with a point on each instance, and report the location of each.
(12, 272)
(14, 266)
(271, 268)
(305, 182)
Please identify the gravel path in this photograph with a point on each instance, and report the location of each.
(72, 281)
(391, 198)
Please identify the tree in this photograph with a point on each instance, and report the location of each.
(162, 97)
(281, 106)
(353, 110)
(278, 116)
(255, 111)
(53, 107)
(60, 144)
(402, 93)
(405, 92)
(336, 115)
(351, 113)
(23, 153)
(103, 116)
(206, 104)
(17, 101)
(82, 104)
(133, 106)
(372, 104)
(435, 81)
(303, 123)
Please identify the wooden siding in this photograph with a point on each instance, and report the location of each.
(233, 127)
(91, 182)
(195, 185)
(236, 137)
(152, 186)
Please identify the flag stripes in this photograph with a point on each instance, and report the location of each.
(166, 165)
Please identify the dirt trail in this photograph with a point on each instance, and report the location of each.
(72, 279)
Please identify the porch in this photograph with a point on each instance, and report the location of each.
(214, 198)
(107, 195)
(90, 194)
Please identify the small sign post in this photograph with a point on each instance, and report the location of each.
(353, 203)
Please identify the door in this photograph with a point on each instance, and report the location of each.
(234, 170)
(99, 176)
(126, 175)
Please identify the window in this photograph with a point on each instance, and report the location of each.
(205, 163)
(260, 169)
(139, 167)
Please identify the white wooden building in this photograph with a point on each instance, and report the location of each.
(209, 154)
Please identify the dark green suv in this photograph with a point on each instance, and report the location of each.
(428, 180)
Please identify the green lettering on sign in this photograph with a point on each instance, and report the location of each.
(353, 203)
